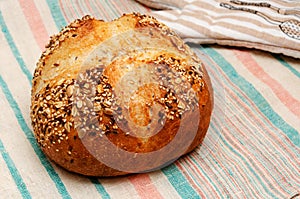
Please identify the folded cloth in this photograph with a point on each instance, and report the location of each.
(273, 26)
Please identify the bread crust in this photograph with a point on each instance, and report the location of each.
(78, 141)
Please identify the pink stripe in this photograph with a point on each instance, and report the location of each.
(266, 153)
(254, 111)
(197, 173)
(255, 163)
(137, 6)
(144, 186)
(272, 141)
(272, 138)
(188, 172)
(117, 7)
(35, 22)
(289, 101)
(88, 4)
(249, 154)
(229, 159)
(63, 10)
(257, 115)
(103, 11)
(270, 135)
(217, 172)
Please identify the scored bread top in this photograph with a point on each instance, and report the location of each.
(130, 63)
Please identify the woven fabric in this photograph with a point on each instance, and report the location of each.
(252, 148)
(272, 26)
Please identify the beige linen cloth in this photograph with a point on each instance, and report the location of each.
(252, 148)
(272, 26)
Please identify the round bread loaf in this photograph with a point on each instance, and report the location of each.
(112, 98)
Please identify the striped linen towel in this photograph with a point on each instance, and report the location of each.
(252, 149)
(272, 26)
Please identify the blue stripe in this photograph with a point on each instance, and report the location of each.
(14, 172)
(217, 125)
(248, 165)
(205, 174)
(254, 95)
(288, 66)
(111, 9)
(56, 14)
(100, 188)
(244, 160)
(214, 67)
(179, 182)
(14, 49)
(45, 162)
(60, 23)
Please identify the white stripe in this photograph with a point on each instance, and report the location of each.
(281, 74)
(70, 11)
(212, 18)
(170, 15)
(11, 72)
(21, 91)
(226, 31)
(119, 188)
(162, 184)
(46, 16)
(22, 154)
(267, 93)
(221, 14)
(263, 151)
(249, 126)
(219, 77)
(211, 22)
(241, 172)
(190, 1)
(21, 33)
(9, 188)
(77, 186)
(182, 30)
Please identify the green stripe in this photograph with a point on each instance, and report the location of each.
(60, 23)
(14, 49)
(254, 95)
(217, 125)
(112, 9)
(100, 188)
(206, 175)
(179, 182)
(288, 66)
(252, 171)
(248, 166)
(14, 172)
(29, 135)
(56, 14)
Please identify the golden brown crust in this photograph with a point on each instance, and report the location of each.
(157, 113)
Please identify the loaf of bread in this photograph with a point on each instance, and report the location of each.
(120, 97)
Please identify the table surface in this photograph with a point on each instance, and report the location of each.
(252, 148)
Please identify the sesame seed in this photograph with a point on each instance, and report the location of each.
(48, 97)
(79, 104)
(70, 90)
